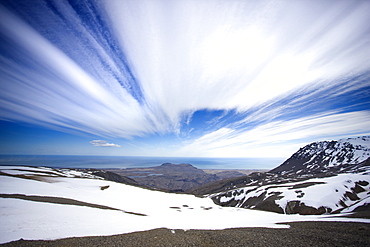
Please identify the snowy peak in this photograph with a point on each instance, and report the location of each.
(321, 178)
(358, 141)
(344, 155)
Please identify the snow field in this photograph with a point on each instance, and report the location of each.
(42, 220)
(328, 194)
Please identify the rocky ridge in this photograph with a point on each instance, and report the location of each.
(321, 178)
(327, 157)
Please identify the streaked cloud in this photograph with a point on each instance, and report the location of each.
(102, 143)
(277, 138)
(269, 74)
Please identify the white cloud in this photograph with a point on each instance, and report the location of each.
(184, 57)
(102, 143)
(277, 138)
(237, 54)
(70, 97)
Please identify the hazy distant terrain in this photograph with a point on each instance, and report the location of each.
(177, 177)
(229, 173)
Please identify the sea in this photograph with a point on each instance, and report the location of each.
(105, 162)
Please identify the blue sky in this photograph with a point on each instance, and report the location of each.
(182, 78)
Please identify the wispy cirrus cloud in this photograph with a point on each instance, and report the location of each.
(146, 68)
(102, 143)
(277, 138)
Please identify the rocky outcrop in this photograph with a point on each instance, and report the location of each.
(298, 207)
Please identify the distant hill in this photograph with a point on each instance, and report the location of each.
(173, 177)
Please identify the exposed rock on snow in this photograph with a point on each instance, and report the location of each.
(321, 178)
(328, 156)
(314, 196)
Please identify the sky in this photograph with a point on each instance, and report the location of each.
(182, 78)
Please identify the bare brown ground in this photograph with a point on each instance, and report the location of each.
(299, 234)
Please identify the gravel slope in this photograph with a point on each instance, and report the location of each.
(299, 234)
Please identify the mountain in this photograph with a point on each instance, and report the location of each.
(310, 197)
(173, 177)
(320, 178)
(47, 203)
(340, 156)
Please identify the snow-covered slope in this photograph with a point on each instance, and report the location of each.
(327, 156)
(318, 159)
(321, 178)
(313, 196)
(45, 203)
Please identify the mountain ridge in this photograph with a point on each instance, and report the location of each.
(341, 166)
(318, 157)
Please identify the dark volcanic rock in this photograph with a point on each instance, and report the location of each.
(269, 205)
(297, 207)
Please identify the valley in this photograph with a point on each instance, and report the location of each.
(177, 177)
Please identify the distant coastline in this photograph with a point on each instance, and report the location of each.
(105, 162)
